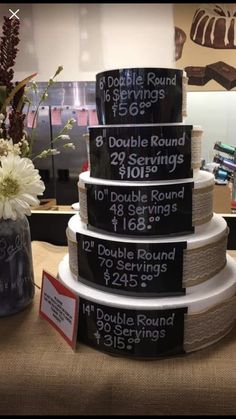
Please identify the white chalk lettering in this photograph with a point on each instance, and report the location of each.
(158, 196)
(153, 80)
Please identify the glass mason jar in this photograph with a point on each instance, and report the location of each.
(16, 266)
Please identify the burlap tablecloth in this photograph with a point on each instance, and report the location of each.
(40, 374)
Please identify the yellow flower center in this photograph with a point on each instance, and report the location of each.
(9, 187)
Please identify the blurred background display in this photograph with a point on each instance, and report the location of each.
(65, 100)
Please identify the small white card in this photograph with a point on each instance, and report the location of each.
(59, 306)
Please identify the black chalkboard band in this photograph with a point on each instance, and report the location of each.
(144, 152)
(141, 95)
(113, 203)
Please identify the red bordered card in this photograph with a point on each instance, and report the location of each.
(59, 306)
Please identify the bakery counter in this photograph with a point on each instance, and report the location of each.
(42, 375)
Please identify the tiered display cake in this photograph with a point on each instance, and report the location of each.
(147, 256)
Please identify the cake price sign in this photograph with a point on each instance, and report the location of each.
(134, 268)
(136, 95)
(140, 333)
(142, 210)
(138, 153)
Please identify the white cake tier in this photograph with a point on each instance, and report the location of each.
(209, 310)
(204, 255)
(202, 180)
(147, 208)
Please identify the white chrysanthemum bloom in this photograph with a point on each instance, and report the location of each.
(20, 184)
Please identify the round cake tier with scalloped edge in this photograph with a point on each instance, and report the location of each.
(155, 327)
(146, 208)
(148, 266)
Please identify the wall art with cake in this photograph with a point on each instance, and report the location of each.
(205, 44)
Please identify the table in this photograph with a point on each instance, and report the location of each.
(41, 375)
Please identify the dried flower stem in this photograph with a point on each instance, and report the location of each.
(41, 101)
(45, 153)
(8, 52)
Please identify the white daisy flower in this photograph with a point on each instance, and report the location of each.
(20, 184)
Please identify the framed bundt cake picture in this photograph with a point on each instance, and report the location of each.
(213, 26)
(205, 43)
